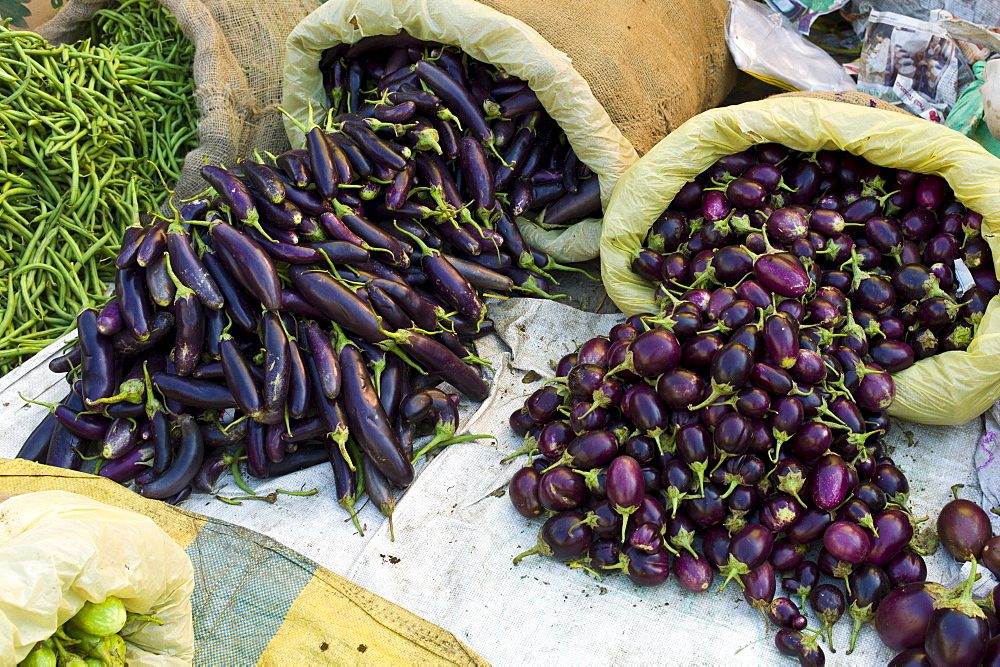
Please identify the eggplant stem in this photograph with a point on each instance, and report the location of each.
(51, 406)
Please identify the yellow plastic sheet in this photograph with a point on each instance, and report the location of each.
(487, 35)
(255, 602)
(949, 388)
(59, 550)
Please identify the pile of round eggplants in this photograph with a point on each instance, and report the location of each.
(748, 413)
(276, 318)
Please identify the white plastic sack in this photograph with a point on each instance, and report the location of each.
(456, 533)
(59, 550)
(765, 45)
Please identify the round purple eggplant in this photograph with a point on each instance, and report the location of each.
(544, 404)
(646, 537)
(583, 380)
(594, 351)
(786, 614)
(797, 645)
(829, 482)
(893, 531)
(989, 557)
(958, 632)
(963, 528)
(758, 587)
(847, 541)
(654, 352)
(748, 550)
(778, 512)
(699, 350)
(625, 487)
(523, 492)
(782, 273)
(829, 604)
(604, 556)
(561, 489)
(893, 355)
(812, 440)
(892, 482)
(707, 510)
(732, 434)
(786, 555)
(902, 617)
(866, 586)
(906, 567)
(914, 657)
(693, 572)
(647, 569)
(564, 536)
(802, 581)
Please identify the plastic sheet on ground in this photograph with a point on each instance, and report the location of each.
(456, 531)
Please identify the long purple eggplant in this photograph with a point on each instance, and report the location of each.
(190, 323)
(233, 192)
(236, 305)
(368, 421)
(190, 454)
(586, 201)
(435, 357)
(125, 345)
(248, 263)
(450, 283)
(295, 165)
(337, 303)
(130, 287)
(98, 359)
(189, 268)
(240, 380)
(324, 173)
(373, 146)
(276, 368)
(195, 393)
(477, 176)
(325, 358)
(417, 308)
(376, 238)
(64, 449)
(360, 163)
(264, 180)
(456, 97)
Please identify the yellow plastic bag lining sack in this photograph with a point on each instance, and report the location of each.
(60, 549)
(949, 388)
(487, 35)
(255, 601)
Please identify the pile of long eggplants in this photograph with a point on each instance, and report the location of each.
(277, 317)
(739, 429)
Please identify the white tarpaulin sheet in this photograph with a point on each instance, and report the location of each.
(456, 531)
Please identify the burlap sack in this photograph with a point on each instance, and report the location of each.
(239, 49)
(652, 64)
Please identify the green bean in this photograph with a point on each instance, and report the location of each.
(81, 126)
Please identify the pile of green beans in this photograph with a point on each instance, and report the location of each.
(86, 130)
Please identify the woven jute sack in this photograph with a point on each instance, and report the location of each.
(617, 75)
(652, 64)
(948, 388)
(239, 50)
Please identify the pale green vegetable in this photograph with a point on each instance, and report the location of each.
(41, 656)
(105, 618)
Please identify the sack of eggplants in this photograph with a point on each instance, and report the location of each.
(887, 218)
(555, 133)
